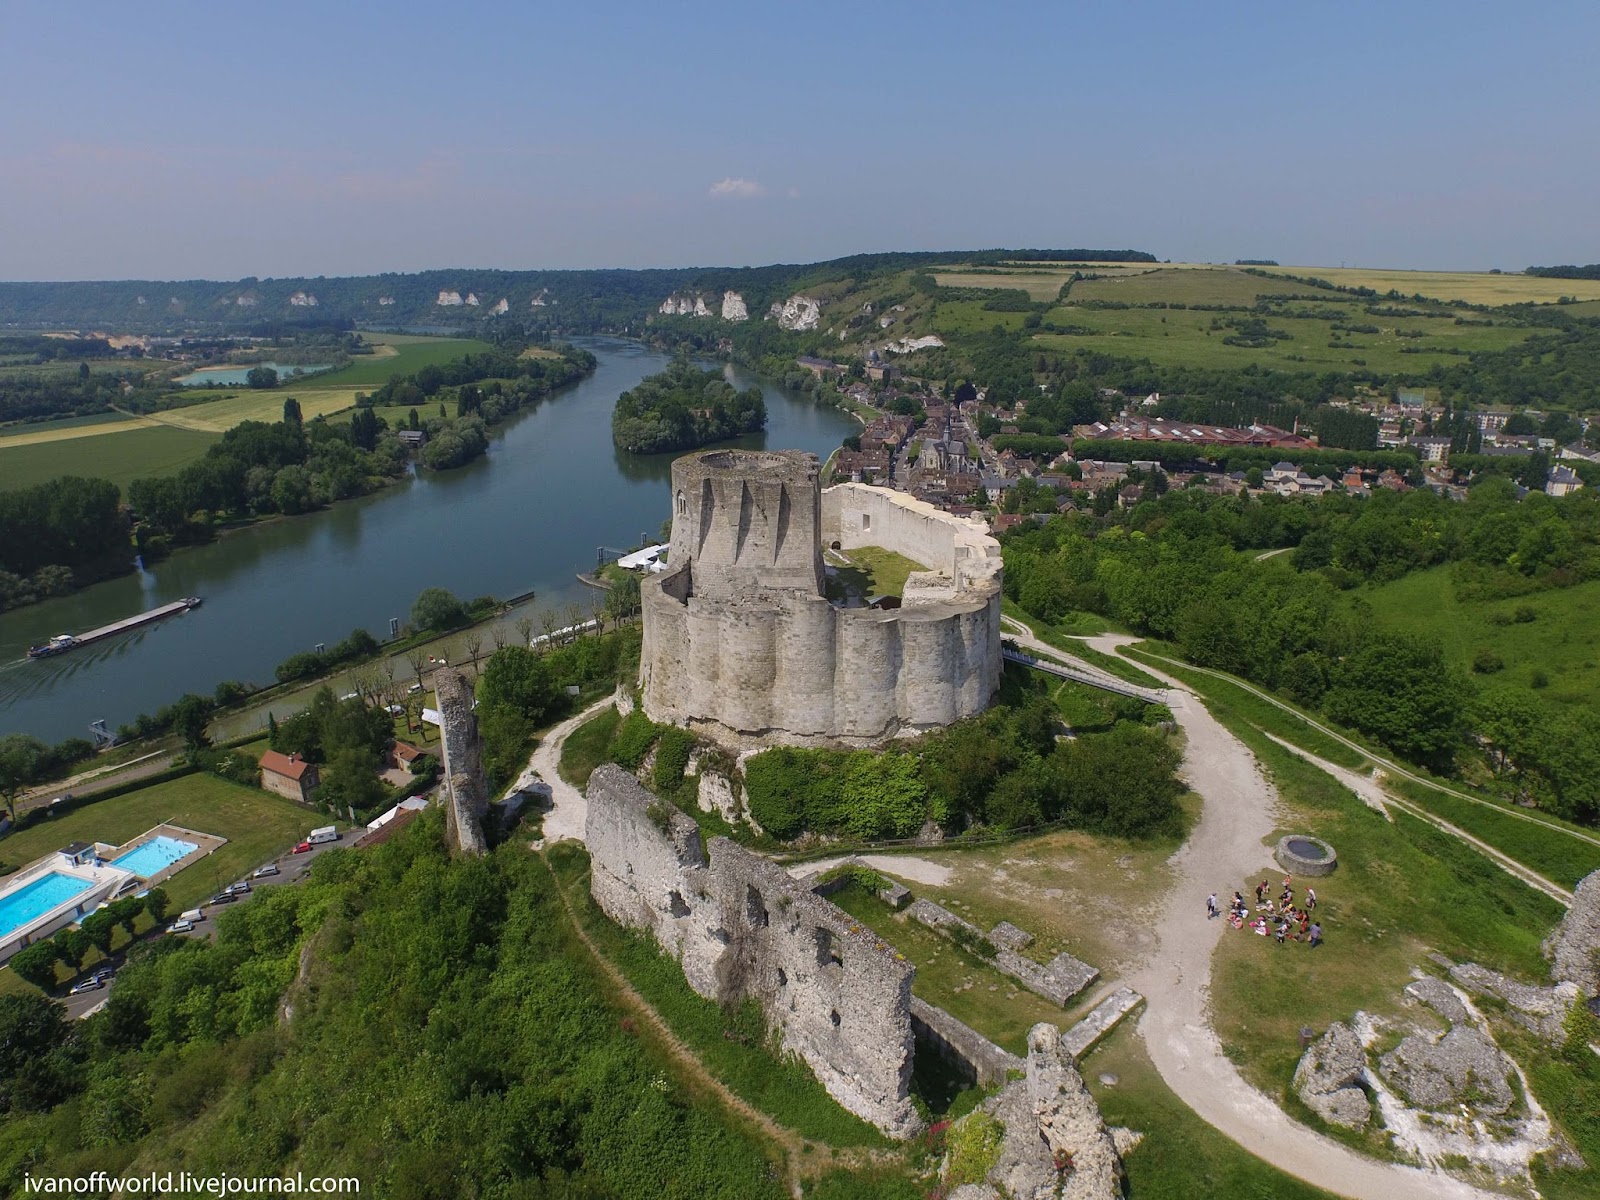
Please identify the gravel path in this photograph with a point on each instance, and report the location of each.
(568, 808)
(1227, 844)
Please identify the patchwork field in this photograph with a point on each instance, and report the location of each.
(1474, 287)
(218, 416)
(141, 449)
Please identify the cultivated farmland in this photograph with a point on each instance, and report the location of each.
(139, 450)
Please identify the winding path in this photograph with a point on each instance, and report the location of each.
(568, 808)
(1228, 843)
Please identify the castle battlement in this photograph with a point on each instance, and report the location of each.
(740, 643)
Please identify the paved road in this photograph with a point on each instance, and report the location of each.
(90, 783)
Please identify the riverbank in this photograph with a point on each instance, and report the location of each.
(528, 516)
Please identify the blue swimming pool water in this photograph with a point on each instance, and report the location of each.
(157, 854)
(38, 897)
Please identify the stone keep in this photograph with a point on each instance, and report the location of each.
(742, 929)
(741, 644)
(463, 765)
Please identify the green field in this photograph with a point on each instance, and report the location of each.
(1184, 337)
(257, 824)
(1563, 640)
(1189, 286)
(18, 428)
(410, 353)
(137, 452)
(970, 316)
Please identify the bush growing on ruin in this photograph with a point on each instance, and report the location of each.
(672, 757)
(635, 736)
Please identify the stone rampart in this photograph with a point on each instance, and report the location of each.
(467, 802)
(743, 929)
(741, 644)
(973, 1055)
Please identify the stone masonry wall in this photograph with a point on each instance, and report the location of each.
(743, 929)
(463, 765)
(740, 643)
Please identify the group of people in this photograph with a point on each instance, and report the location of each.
(1281, 918)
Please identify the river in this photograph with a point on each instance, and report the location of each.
(529, 515)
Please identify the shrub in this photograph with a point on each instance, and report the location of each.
(1486, 662)
(973, 1145)
(1539, 679)
(672, 757)
(1525, 614)
(635, 736)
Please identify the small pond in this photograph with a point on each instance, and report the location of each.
(233, 375)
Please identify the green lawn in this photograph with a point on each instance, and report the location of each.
(1190, 285)
(1181, 1157)
(1563, 640)
(1402, 888)
(874, 571)
(257, 824)
(121, 457)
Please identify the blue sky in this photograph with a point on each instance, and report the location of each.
(222, 140)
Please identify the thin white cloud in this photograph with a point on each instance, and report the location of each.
(733, 188)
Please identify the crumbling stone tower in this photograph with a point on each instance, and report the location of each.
(466, 801)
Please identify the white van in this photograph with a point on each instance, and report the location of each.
(328, 833)
(194, 914)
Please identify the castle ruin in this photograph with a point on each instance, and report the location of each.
(741, 643)
(742, 929)
(464, 790)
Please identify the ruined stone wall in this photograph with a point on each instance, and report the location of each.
(740, 643)
(467, 801)
(743, 929)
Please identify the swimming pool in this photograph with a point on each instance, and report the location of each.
(156, 855)
(31, 901)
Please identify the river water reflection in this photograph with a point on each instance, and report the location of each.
(530, 515)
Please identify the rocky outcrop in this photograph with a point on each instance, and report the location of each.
(1056, 1145)
(1542, 1009)
(302, 300)
(682, 304)
(798, 314)
(714, 793)
(910, 345)
(540, 298)
(1462, 1067)
(449, 300)
(1332, 1077)
(472, 300)
(1574, 948)
(500, 309)
(385, 301)
(734, 308)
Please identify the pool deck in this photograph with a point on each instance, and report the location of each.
(205, 844)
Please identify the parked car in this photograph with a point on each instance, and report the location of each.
(301, 848)
(242, 888)
(221, 898)
(181, 925)
(88, 985)
(105, 973)
(195, 915)
(62, 799)
(328, 833)
(263, 872)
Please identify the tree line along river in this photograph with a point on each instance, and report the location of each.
(529, 515)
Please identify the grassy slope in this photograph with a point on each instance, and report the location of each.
(257, 825)
(411, 353)
(1564, 641)
(1402, 888)
(134, 453)
(587, 746)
